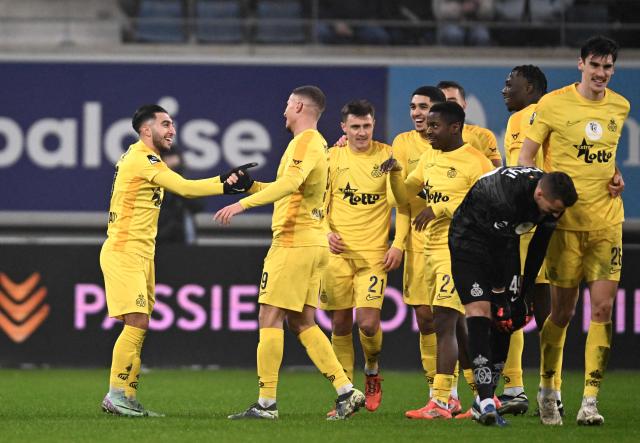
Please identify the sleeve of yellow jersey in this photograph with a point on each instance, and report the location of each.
(160, 174)
(403, 212)
(306, 158)
(540, 128)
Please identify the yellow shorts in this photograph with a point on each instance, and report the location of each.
(439, 281)
(291, 277)
(353, 282)
(129, 281)
(413, 279)
(589, 255)
(525, 239)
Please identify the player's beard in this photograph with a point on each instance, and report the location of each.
(159, 142)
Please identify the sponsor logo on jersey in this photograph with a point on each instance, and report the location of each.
(156, 198)
(571, 123)
(612, 126)
(501, 224)
(153, 159)
(340, 170)
(296, 162)
(22, 310)
(599, 156)
(354, 199)
(515, 135)
(113, 216)
(434, 197)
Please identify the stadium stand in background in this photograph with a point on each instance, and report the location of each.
(535, 23)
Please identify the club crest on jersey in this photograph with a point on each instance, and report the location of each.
(153, 159)
(593, 130)
(451, 173)
(612, 126)
(376, 173)
(584, 151)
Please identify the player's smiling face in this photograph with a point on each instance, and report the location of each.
(596, 73)
(515, 92)
(418, 110)
(162, 131)
(438, 132)
(359, 131)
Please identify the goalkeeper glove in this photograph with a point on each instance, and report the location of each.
(244, 179)
(501, 311)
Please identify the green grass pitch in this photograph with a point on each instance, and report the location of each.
(63, 405)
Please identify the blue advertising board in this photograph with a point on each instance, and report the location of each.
(64, 125)
(485, 106)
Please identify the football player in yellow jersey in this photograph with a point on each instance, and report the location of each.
(127, 255)
(445, 173)
(580, 126)
(480, 138)
(358, 218)
(408, 147)
(523, 87)
(297, 258)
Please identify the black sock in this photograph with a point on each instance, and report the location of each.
(499, 350)
(480, 354)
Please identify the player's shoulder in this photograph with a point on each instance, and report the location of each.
(565, 93)
(474, 159)
(403, 138)
(380, 147)
(618, 99)
(137, 157)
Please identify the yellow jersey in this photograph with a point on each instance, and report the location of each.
(446, 178)
(357, 204)
(581, 138)
(482, 139)
(407, 148)
(517, 126)
(136, 197)
(298, 192)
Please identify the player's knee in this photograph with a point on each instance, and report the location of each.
(601, 310)
(369, 327)
(562, 315)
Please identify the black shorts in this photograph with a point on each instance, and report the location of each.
(476, 275)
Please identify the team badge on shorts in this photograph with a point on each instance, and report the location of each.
(140, 301)
(476, 290)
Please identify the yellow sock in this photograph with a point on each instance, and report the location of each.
(270, 350)
(512, 371)
(454, 383)
(371, 347)
(442, 388)
(343, 347)
(557, 377)
(468, 376)
(125, 351)
(596, 356)
(131, 390)
(552, 339)
(319, 350)
(428, 346)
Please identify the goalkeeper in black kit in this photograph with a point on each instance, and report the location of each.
(484, 242)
